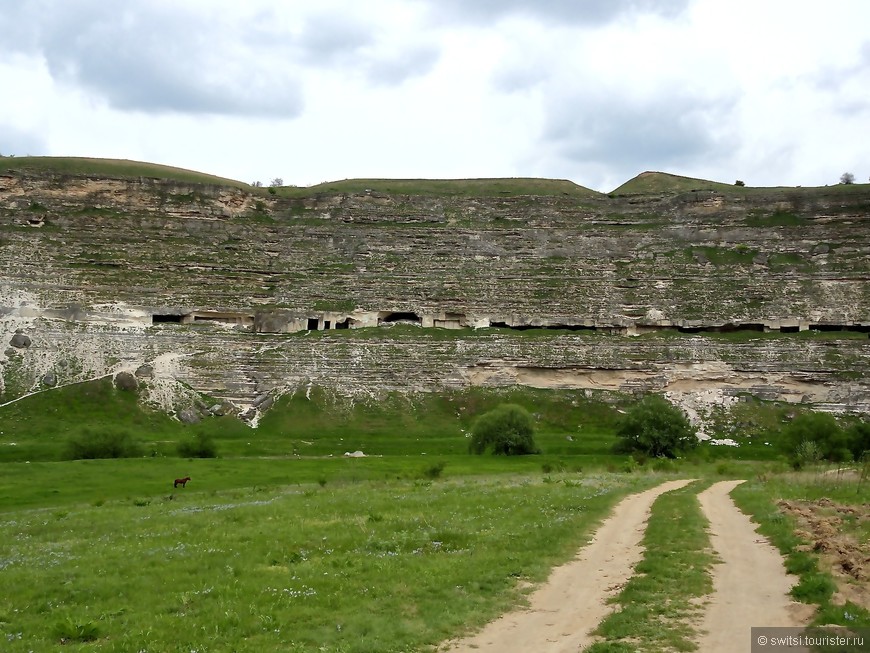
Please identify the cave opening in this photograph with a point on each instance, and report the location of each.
(312, 324)
(554, 327)
(167, 319)
(392, 318)
(344, 324)
(723, 328)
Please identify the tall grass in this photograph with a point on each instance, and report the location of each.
(369, 566)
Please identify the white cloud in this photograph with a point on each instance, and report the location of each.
(773, 92)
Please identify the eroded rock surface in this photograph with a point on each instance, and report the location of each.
(245, 295)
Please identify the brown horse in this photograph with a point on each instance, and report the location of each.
(181, 481)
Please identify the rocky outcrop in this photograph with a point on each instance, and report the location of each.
(244, 295)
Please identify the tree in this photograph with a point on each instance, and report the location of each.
(847, 178)
(739, 182)
(656, 427)
(823, 430)
(277, 181)
(257, 184)
(858, 438)
(507, 429)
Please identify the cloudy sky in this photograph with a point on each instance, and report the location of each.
(773, 92)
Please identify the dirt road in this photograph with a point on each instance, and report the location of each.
(750, 584)
(572, 602)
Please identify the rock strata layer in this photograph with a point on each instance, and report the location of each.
(245, 295)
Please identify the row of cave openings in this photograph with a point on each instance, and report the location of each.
(458, 321)
(311, 323)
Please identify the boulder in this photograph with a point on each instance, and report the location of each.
(261, 400)
(145, 371)
(126, 381)
(189, 416)
(20, 340)
(49, 379)
(219, 410)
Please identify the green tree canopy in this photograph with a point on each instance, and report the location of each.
(858, 436)
(507, 429)
(823, 429)
(656, 427)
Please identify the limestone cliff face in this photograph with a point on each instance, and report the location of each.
(217, 287)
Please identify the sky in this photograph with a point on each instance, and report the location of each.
(773, 92)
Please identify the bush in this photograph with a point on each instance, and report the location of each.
(434, 470)
(201, 445)
(847, 178)
(89, 444)
(657, 428)
(72, 630)
(811, 436)
(507, 429)
(858, 438)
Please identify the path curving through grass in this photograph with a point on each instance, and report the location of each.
(563, 612)
(750, 584)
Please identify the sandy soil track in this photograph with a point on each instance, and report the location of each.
(750, 585)
(572, 602)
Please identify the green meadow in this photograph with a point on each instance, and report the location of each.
(282, 543)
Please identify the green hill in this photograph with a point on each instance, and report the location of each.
(494, 187)
(111, 168)
(649, 183)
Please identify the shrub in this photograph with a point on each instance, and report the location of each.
(434, 470)
(847, 178)
(126, 382)
(814, 588)
(507, 429)
(806, 453)
(812, 436)
(739, 182)
(201, 445)
(72, 630)
(90, 444)
(858, 438)
(657, 428)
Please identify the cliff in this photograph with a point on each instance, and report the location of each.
(692, 288)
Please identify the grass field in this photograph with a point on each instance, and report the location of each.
(341, 555)
(284, 544)
(386, 565)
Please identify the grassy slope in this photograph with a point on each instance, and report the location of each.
(426, 187)
(654, 183)
(111, 168)
(503, 187)
(317, 424)
(644, 183)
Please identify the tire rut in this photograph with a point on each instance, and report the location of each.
(569, 606)
(750, 584)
